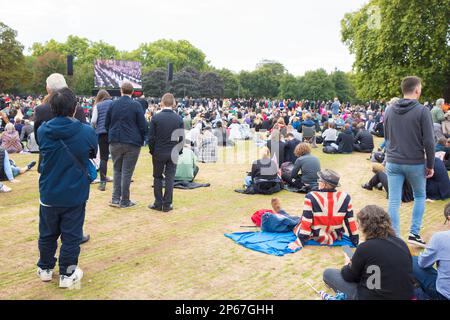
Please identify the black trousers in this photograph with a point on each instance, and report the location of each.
(64, 223)
(163, 169)
(104, 155)
(379, 177)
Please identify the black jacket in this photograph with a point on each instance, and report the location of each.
(278, 153)
(44, 113)
(365, 140)
(345, 142)
(162, 133)
(408, 127)
(125, 122)
(394, 261)
(264, 169)
(289, 149)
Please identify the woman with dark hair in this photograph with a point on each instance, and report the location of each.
(381, 268)
(102, 104)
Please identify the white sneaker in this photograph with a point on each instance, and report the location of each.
(45, 275)
(74, 279)
(5, 189)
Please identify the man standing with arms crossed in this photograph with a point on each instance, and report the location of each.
(166, 140)
(410, 154)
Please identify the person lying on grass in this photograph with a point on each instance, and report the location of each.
(324, 214)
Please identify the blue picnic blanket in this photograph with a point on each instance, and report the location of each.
(276, 244)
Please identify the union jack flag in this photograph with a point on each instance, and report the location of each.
(324, 216)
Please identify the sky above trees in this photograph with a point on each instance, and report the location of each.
(234, 34)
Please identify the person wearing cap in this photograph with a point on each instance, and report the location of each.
(324, 214)
(435, 282)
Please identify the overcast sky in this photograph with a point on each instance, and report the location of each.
(236, 34)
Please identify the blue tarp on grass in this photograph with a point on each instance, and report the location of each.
(275, 244)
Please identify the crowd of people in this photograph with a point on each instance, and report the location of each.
(72, 135)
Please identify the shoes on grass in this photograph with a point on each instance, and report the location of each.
(102, 186)
(5, 189)
(31, 165)
(155, 207)
(45, 275)
(67, 282)
(127, 204)
(114, 204)
(85, 239)
(416, 240)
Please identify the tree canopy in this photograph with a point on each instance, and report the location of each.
(392, 39)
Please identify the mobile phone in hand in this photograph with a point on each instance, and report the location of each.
(348, 251)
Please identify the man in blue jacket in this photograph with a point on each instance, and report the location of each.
(66, 146)
(125, 123)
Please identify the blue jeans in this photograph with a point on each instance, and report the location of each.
(248, 181)
(415, 175)
(66, 223)
(427, 278)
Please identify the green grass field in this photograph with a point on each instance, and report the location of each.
(141, 254)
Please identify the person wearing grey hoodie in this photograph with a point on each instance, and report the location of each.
(410, 154)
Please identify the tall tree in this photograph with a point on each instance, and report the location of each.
(289, 87)
(154, 82)
(50, 62)
(181, 53)
(395, 38)
(342, 85)
(11, 58)
(186, 82)
(230, 83)
(317, 85)
(211, 85)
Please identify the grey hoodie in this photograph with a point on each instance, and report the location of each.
(409, 131)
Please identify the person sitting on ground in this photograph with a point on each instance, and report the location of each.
(265, 168)
(207, 146)
(4, 189)
(363, 140)
(326, 214)
(11, 139)
(187, 168)
(380, 181)
(276, 145)
(221, 134)
(381, 267)
(344, 142)
(306, 168)
(438, 186)
(446, 125)
(330, 135)
(27, 130)
(441, 145)
(435, 283)
(8, 168)
(289, 149)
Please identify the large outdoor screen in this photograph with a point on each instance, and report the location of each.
(111, 73)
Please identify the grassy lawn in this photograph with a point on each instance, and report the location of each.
(141, 254)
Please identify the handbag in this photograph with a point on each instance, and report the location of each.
(90, 172)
